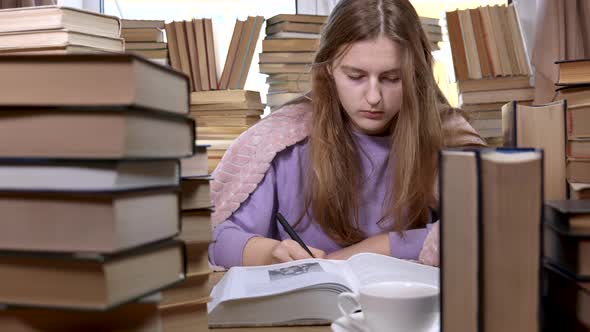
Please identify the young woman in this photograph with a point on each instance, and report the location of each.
(353, 165)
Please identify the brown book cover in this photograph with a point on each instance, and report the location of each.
(572, 72)
(509, 42)
(498, 34)
(108, 80)
(294, 27)
(482, 51)
(210, 47)
(90, 281)
(297, 18)
(192, 50)
(471, 56)
(195, 193)
(54, 38)
(488, 33)
(126, 23)
(457, 46)
(64, 133)
(275, 68)
(173, 46)
(194, 287)
(253, 40)
(578, 170)
(578, 122)
(230, 59)
(238, 67)
(577, 95)
(496, 96)
(491, 205)
(224, 97)
(142, 34)
(196, 226)
(196, 165)
(138, 316)
(286, 57)
(495, 83)
(202, 54)
(183, 51)
(578, 148)
(290, 45)
(178, 317)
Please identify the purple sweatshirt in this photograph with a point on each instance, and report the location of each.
(282, 190)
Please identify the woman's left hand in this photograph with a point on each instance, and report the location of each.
(429, 254)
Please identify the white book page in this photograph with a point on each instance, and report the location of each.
(248, 282)
(370, 268)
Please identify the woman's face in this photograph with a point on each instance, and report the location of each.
(369, 86)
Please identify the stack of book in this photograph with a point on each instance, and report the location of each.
(433, 30)
(573, 85)
(58, 30)
(222, 116)
(287, 53)
(145, 38)
(193, 293)
(89, 189)
(490, 64)
(567, 265)
(191, 49)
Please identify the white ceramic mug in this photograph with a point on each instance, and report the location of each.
(392, 306)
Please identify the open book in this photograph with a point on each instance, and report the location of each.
(302, 292)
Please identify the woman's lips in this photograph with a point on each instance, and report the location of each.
(371, 115)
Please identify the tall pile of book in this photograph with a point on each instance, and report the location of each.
(573, 85)
(58, 30)
(222, 116)
(433, 30)
(566, 288)
(190, 297)
(146, 38)
(89, 190)
(490, 64)
(287, 53)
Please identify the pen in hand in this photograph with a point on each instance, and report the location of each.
(292, 233)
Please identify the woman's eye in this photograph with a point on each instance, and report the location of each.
(391, 79)
(355, 77)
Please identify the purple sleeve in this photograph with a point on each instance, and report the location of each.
(253, 218)
(410, 245)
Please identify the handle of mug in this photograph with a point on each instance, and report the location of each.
(347, 311)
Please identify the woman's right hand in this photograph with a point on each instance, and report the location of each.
(289, 250)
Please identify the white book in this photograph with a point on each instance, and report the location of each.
(303, 292)
(87, 176)
(58, 38)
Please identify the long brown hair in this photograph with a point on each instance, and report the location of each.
(417, 135)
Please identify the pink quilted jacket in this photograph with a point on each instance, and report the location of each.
(246, 161)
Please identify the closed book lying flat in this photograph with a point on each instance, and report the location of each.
(52, 50)
(94, 133)
(196, 193)
(567, 301)
(140, 316)
(73, 175)
(55, 17)
(108, 79)
(196, 226)
(87, 221)
(303, 292)
(53, 38)
(570, 215)
(89, 282)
